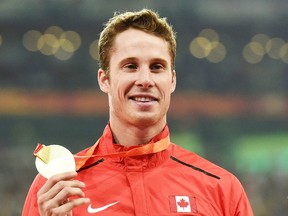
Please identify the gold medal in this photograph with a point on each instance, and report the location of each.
(53, 159)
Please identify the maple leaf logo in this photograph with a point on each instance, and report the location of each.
(182, 203)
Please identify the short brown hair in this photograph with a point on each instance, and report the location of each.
(145, 20)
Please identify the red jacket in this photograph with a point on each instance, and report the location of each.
(170, 182)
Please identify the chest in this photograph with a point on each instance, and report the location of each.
(160, 190)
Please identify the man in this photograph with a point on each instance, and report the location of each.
(134, 169)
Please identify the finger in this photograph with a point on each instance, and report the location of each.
(67, 207)
(62, 190)
(62, 198)
(63, 195)
(56, 178)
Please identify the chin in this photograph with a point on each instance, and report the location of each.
(145, 120)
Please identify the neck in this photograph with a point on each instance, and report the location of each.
(131, 135)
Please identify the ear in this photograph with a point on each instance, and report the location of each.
(173, 86)
(103, 81)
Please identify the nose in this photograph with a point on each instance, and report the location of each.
(145, 79)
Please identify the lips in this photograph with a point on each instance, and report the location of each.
(143, 98)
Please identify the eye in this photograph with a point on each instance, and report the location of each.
(157, 67)
(130, 66)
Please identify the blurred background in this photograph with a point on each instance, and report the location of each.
(230, 105)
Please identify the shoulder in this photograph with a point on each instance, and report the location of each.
(222, 187)
(38, 182)
(201, 165)
(30, 206)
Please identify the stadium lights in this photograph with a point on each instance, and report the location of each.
(207, 45)
(54, 41)
(261, 45)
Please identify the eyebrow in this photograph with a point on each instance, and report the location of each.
(134, 59)
(161, 60)
(129, 59)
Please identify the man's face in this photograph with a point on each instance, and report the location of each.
(141, 79)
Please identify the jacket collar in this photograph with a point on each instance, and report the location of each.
(105, 147)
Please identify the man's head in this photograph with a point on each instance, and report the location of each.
(144, 20)
(137, 69)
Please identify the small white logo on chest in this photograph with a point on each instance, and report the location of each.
(95, 210)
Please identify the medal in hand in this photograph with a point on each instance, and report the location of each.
(53, 159)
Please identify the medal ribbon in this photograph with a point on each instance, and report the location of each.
(152, 147)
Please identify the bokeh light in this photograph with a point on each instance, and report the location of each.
(284, 53)
(93, 50)
(30, 40)
(218, 52)
(70, 41)
(273, 47)
(261, 45)
(54, 30)
(54, 41)
(63, 55)
(210, 34)
(261, 39)
(253, 52)
(207, 45)
(200, 47)
(48, 44)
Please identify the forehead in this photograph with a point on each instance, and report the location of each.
(133, 43)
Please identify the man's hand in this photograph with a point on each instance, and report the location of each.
(53, 197)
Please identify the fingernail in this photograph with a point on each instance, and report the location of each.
(73, 173)
(82, 184)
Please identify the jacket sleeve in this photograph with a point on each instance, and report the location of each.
(30, 207)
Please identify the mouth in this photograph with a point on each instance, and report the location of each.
(143, 99)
